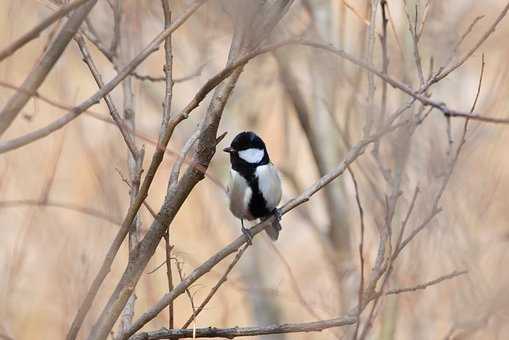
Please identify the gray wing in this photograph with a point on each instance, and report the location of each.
(239, 193)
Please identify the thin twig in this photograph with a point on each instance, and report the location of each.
(64, 205)
(415, 40)
(189, 296)
(145, 203)
(361, 251)
(369, 62)
(117, 19)
(427, 284)
(216, 287)
(100, 116)
(444, 73)
(190, 76)
(124, 129)
(169, 275)
(465, 125)
(294, 283)
(168, 69)
(460, 41)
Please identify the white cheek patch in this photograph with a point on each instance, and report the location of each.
(252, 155)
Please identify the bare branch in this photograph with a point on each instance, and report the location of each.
(64, 205)
(23, 140)
(124, 129)
(36, 31)
(404, 88)
(444, 73)
(293, 281)
(462, 38)
(427, 284)
(190, 76)
(316, 326)
(168, 69)
(143, 192)
(204, 268)
(169, 275)
(230, 333)
(216, 287)
(108, 87)
(369, 62)
(168, 77)
(361, 250)
(189, 296)
(175, 197)
(117, 18)
(42, 68)
(175, 171)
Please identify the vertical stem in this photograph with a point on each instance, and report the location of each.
(385, 60)
(135, 162)
(369, 60)
(168, 68)
(168, 72)
(169, 274)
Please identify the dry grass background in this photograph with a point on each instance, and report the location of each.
(50, 251)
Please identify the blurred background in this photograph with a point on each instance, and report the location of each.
(62, 198)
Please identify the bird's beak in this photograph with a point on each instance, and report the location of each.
(229, 149)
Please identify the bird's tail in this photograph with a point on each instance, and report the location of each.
(273, 230)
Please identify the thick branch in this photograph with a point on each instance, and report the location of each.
(108, 87)
(177, 194)
(34, 32)
(204, 268)
(42, 68)
(143, 192)
(230, 333)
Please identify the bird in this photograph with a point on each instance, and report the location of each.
(255, 187)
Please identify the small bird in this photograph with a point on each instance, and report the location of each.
(255, 187)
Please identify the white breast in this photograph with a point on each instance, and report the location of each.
(269, 184)
(240, 194)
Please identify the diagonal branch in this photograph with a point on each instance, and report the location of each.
(108, 87)
(316, 326)
(427, 284)
(124, 129)
(444, 73)
(36, 31)
(30, 137)
(176, 195)
(204, 268)
(143, 192)
(42, 68)
(216, 287)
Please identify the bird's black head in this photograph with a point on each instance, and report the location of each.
(247, 151)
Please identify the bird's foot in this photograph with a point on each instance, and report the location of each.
(277, 213)
(248, 235)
